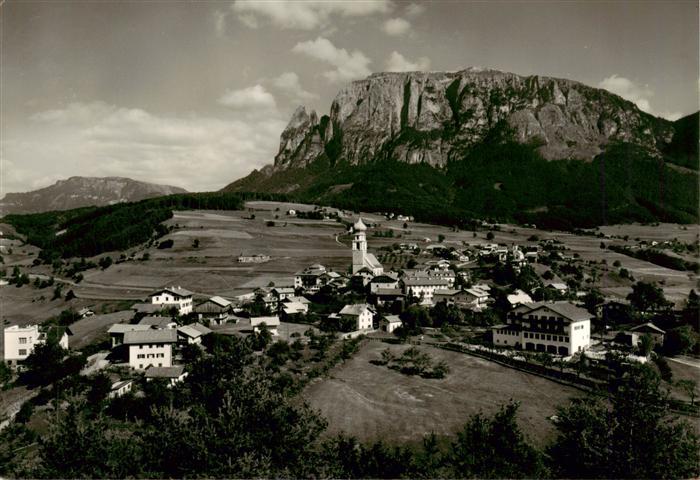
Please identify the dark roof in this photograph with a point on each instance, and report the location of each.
(177, 291)
(646, 327)
(565, 309)
(160, 322)
(165, 372)
(169, 335)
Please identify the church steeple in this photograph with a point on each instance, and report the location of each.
(359, 242)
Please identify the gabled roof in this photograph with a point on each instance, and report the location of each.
(176, 291)
(126, 327)
(388, 291)
(201, 328)
(647, 327)
(294, 307)
(165, 372)
(355, 310)
(189, 331)
(392, 319)
(146, 307)
(220, 301)
(425, 281)
(299, 299)
(158, 322)
(385, 278)
(565, 309)
(447, 292)
(169, 335)
(272, 321)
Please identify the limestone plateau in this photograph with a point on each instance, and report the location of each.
(433, 117)
(76, 192)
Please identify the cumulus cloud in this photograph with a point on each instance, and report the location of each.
(98, 139)
(348, 65)
(305, 15)
(399, 63)
(640, 95)
(220, 23)
(250, 98)
(289, 83)
(396, 26)
(415, 9)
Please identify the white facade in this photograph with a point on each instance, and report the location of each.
(558, 328)
(362, 315)
(147, 355)
(425, 287)
(173, 297)
(20, 342)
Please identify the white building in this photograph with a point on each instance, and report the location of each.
(173, 297)
(556, 327)
(150, 348)
(360, 258)
(361, 314)
(20, 341)
(272, 323)
(119, 388)
(192, 334)
(391, 323)
(424, 287)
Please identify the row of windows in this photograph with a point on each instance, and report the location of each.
(141, 365)
(578, 327)
(151, 345)
(22, 351)
(542, 336)
(150, 355)
(22, 340)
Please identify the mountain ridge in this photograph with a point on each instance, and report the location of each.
(78, 191)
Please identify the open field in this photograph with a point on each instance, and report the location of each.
(374, 402)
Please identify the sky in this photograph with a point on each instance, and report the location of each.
(196, 94)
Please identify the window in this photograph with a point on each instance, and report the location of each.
(140, 355)
(566, 339)
(22, 351)
(22, 340)
(549, 337)
(140, 365)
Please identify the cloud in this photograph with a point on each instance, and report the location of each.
(396, 26)
(289, 83)
(415, 10)
(399, 63)
(220, 23)
(250, 98)
(348, 65)
(640, 95)
(305, 15)
(98, 139)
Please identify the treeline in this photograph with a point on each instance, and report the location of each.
(86, 232)
(657, 257)
(235, 417)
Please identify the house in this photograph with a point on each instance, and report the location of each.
(614, 311)
(554, 327)
(635, 334)
(117, 331)
(383, 296)
(518, 297)
(560, 287)
(173, 297)
(119, 388)
(391, 323)
(360, 257)
(85, 312)
(20, 341)
(215, 309)
(158, 322)
(384, 281)
(297, 299)
(461, 298)
(294, 308)
(192, 334)
(281, 293)
(360, 315)
(272, 323)
(150, 347)
(424, 287)
(173, 375)
(309, 278)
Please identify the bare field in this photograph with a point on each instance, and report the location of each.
(373, 402)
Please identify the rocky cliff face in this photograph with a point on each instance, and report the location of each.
(433, 117)
(82, 192)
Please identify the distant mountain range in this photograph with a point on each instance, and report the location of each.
(447, 146)
(76, 192)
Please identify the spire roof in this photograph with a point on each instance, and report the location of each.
(359, 225)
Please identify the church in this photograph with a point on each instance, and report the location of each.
(360, 258)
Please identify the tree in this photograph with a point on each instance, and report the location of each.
(105, 262)
(260, 339)
(489, 236)
(688, 387)
(441, 238)
(630, 434)
(100, 388)
(647, 296)
(387, 356)
(646, 344)
(494, 448)
(43, 365)
(195, 243)
(679, 340)
(70, 295)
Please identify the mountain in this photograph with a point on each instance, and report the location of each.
(487, 144)
(76, 192)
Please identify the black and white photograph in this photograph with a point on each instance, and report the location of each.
(349, 239)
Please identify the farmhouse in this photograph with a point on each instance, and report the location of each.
(117, 331)
(556, 327)
(384, 281)
(192, 334)
(173, 375)
(382, 296)
(215, 309)
(360, 258)
(150, 348)
(282, 293)
(119, 388)
(294, 308)
(272, 323)
(391, 323)
(461, 298)
(310, 277)
(173, 297)
(20, 341)
(361, 315)
(635, 334)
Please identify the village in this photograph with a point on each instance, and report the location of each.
(495, 301)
